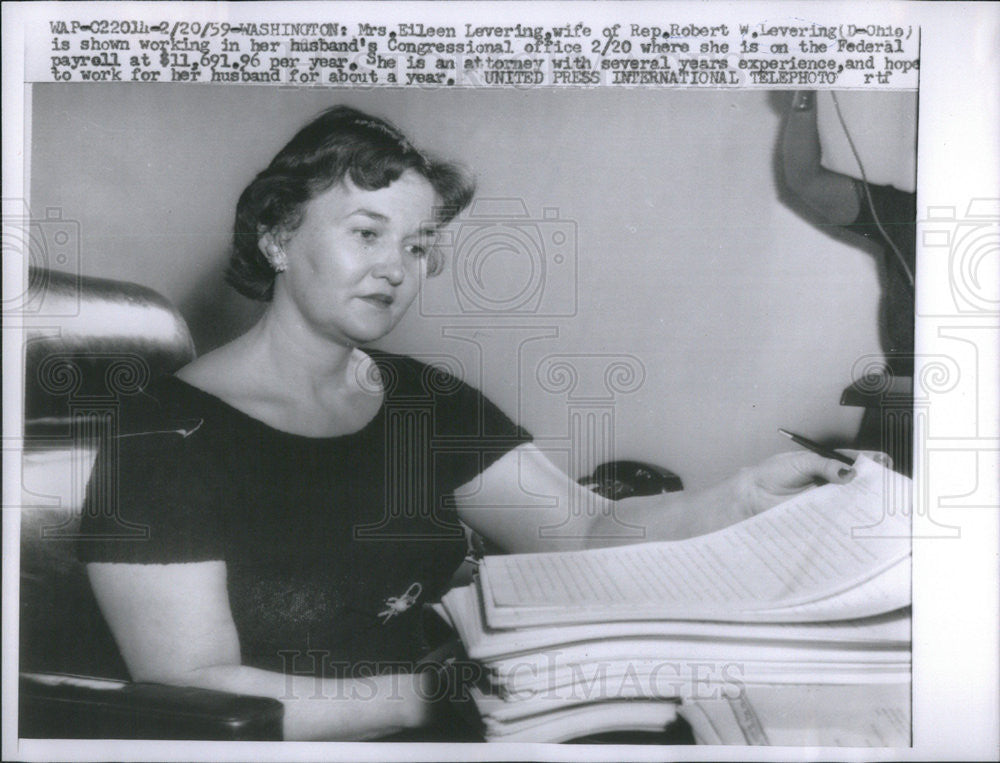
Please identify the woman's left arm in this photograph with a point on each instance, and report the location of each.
(525, 503)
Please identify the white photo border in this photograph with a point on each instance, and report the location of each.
(955, 655)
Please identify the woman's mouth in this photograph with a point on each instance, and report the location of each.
(379, 300)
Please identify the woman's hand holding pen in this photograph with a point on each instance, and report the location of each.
(781, 476)
(685, 514)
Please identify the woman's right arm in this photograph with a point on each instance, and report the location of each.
(173, 625)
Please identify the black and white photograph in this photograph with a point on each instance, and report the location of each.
(483, 414)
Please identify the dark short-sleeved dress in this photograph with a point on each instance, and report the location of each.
(331, 545)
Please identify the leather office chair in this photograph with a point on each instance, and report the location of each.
(88, 343)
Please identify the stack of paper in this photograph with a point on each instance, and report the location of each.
(812, 715)
(813, 593)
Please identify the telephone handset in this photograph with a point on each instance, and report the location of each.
(623, 479)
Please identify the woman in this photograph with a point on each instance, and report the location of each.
(303, 496)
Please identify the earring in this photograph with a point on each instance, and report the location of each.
(276, 257)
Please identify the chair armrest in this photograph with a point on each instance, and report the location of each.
(55, 705)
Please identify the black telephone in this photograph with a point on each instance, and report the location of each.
(623, 479)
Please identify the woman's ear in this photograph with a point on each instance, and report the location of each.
(273, 251)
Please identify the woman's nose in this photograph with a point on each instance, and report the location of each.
(390, 266)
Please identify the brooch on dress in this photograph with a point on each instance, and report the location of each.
(396, 605)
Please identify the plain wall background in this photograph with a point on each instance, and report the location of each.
(743, 316)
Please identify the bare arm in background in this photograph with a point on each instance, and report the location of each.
(828, 194)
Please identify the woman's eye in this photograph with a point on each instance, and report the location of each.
(417, 250)
(365, 234)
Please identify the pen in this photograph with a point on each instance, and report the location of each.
(815, 447)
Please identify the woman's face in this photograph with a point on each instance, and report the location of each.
(356, 261)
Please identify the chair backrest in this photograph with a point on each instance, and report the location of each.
(88, 343)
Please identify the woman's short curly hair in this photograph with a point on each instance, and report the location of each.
(340, 143)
